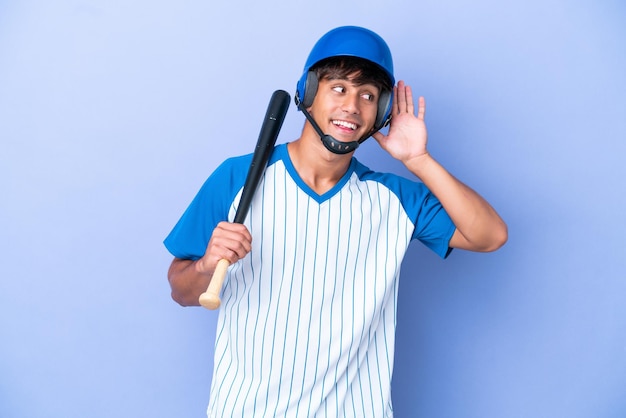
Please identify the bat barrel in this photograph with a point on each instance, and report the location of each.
(273, 121)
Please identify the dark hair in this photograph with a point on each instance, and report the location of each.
(358, 70)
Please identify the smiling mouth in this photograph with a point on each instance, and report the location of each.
(345, 124)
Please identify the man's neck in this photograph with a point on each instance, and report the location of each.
(319, 168)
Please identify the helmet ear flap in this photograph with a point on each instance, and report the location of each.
(383, 117)
(310, 89)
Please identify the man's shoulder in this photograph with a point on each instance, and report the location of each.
(392, 181)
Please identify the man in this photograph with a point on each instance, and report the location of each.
(307, 321)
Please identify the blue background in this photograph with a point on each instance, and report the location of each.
(112, 114)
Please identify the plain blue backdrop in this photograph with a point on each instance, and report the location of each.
(113, 113)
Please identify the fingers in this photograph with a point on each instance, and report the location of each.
(421, 108)
(231, 241)
(409, 100)
(394, 101)
(403, 101)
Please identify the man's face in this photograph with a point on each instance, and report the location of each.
(344, 110)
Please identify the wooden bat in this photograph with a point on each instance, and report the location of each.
(273, 121)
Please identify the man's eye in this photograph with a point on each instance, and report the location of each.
(338, 89)
(368, 96)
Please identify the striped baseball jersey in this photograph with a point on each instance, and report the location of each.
(307, 323)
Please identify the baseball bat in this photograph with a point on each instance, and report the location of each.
(273, 121)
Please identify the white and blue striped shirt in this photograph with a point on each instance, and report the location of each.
(307, 323)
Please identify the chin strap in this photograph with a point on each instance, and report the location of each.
(329, 142)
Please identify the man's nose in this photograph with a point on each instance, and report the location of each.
(351, 103)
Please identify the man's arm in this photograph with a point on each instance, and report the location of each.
(190, 278)
(187, 282)
(478, 226)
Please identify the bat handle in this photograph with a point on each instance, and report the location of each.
(211, 298)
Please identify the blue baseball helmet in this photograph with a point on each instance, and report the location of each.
(350, 41)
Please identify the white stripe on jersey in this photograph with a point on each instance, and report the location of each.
(308, 318)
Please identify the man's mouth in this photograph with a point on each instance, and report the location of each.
(345, 124)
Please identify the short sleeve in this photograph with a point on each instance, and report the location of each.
(211, 205)
(433, 226)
